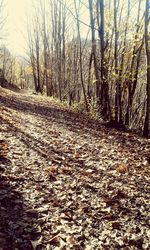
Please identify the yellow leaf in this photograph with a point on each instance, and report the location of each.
(95, 81)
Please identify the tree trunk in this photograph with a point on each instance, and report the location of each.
(80, 58)
(146, 131)
(104, 96)
(93, 54)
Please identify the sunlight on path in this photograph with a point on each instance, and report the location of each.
(72, 179)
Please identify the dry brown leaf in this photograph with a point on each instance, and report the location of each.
(88, 172)
(51, 170)
(65, 170)
(122, 169)
(55, 240)
(76, 155)
(72, 240)
(3, 148)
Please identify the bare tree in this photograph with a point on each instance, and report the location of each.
(34, 52)
(146, 131)
(80, 55)
(134, 68)
(104, 95)
(103, 69)
(93, 56)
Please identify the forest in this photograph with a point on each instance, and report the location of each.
(100, 65)
(75, 127)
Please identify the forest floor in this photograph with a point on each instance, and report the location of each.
(68, 183)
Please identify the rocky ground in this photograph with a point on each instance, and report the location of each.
(67, 182)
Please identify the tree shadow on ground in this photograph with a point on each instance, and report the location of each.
(16, 225)
(76, 122)
(44, 149)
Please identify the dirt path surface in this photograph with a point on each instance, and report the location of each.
(67, 183)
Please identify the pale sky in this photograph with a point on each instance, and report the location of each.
(17, 12)
(15, 29)
(15, 26)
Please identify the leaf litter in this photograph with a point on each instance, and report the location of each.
(68, 183)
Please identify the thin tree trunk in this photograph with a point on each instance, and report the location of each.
(146, 131)
(104, 98)
(80, 58)
(93, 53)
(133, 73)
(116, 59)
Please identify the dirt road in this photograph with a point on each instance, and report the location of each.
(67, 183)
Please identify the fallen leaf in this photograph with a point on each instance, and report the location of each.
(122, 169)
(76, 155)
(36, 243)
(55, 240)
(88, 172)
